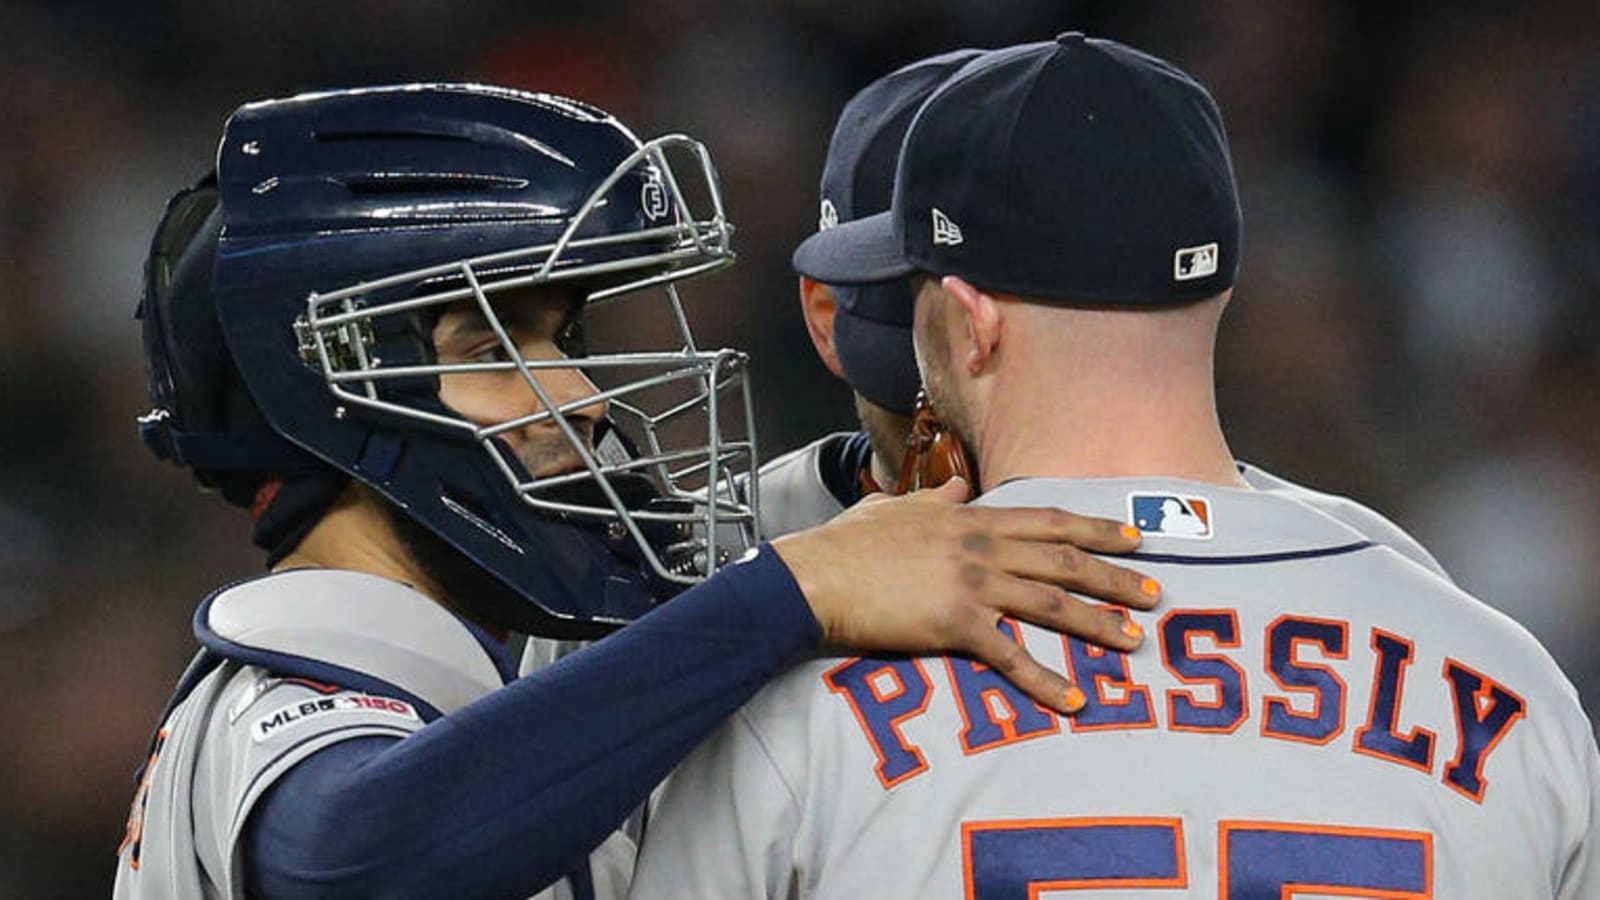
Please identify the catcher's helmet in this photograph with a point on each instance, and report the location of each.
(289, 307)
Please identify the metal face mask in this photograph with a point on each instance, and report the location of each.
(348, 225)
(678, 420)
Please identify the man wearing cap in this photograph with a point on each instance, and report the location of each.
(1316, 714)
(862, 333)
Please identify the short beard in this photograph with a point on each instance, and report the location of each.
(886, 432)
(466, 585)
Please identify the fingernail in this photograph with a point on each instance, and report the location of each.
(1076, 699)
(1151, 587)
(1133, 629)
(1132, 533)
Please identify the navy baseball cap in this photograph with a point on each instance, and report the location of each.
(1077, 169)
(872, 325)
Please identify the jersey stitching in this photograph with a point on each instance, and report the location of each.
(777, 771)
(794, 796)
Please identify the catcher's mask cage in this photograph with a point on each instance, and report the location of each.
(293, 296)
(680, 421)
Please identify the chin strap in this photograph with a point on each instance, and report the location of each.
(934, 454)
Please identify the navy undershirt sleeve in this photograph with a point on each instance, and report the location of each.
(503, 797)
(841, 462)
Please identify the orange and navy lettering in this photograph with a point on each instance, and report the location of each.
(1325, 720)
(133, 834)
(1307, 658)
(1380, 736)
(1019, 859)
(1485, 712)
(884, 693)
(993, 712)
(1230, 706)
(1022, 858)
(1277, 860)
(1096, 669)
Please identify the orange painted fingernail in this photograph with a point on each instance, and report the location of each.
(1151, 587)
(1132, 629)
(1131, 533)
(1076, 699)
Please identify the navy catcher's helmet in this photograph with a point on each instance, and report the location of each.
(289, 307)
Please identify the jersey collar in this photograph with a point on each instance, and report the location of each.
(1189, 519)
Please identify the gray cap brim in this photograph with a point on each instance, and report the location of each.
(862, 251)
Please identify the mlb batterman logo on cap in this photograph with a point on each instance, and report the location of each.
(1077, 169)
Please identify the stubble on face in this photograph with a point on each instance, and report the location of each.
(548, 451)
(886, 432)
(936, 360)
(535, 319)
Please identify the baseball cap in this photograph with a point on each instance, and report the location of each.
(872, 324)
(1077, 169)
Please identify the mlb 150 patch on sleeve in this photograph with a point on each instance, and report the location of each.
(1171, 515)
(322, 707)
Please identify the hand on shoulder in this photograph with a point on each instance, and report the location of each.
(927, 573)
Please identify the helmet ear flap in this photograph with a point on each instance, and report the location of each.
(183, 341)
(194, 386)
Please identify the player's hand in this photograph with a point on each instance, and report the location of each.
(926, 573)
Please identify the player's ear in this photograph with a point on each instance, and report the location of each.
(981, 313)
(818, 305)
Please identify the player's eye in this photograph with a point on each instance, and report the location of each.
(569, 339)
(491, 354)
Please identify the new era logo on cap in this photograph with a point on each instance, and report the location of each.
(1190, 263)
(1136, 143)
(828, 217)
(1171, 515)
(944, 230)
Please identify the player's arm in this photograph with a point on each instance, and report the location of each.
(511, 792)
(506, 795)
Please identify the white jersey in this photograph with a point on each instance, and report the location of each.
(1312, 714)
(239, 726)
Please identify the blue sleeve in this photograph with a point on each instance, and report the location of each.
(503, 797)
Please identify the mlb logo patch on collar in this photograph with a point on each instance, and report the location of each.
(1171, 515)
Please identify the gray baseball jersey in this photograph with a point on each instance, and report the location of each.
(794, 497)
(1371, 523)
(793, 494)
(1312, 715)
(237, 726)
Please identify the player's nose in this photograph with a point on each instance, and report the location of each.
(574, 396)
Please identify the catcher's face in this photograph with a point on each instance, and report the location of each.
(534, 319)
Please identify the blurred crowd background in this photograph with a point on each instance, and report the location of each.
(1416, 323)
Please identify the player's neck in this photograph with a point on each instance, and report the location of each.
(1083, 392)
(1108, 427)
(884, 472)
(886, 432)
(355, 534)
